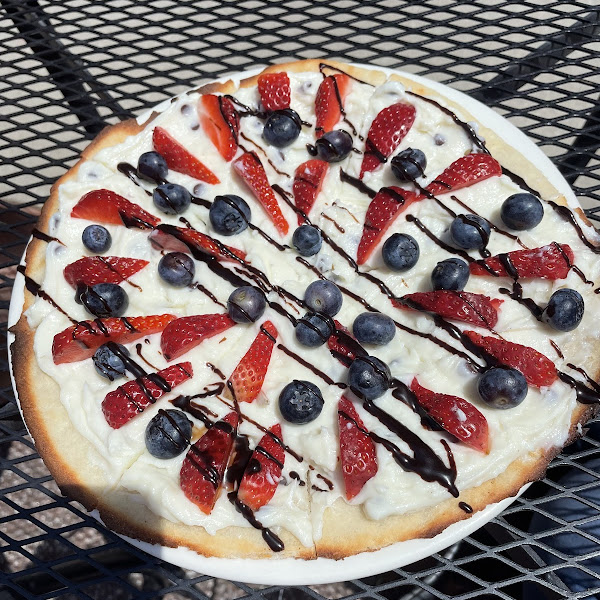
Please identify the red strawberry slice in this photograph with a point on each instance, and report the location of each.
(308, 182)
(537, 369)
(274, 90)
(179, 158)
(456, 416)
(221, 123)
(357, 450)
(80, 341)
(385, 134)
(329, 102)
(250, 169)
(91, 270)
(131, 398)
(467, 307)
(247, 379)
(105, 206)
(202, 470)
(552, 262)
(263, 471)
(343, 346)
(383, 210)
(464, 172)
(181, 335)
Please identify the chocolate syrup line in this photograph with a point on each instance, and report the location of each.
(344, 208)
(131, 173)
(312, 368)
(198, 286)
(40, 235)
(466, 507)
(338, 97)
(588, 379)
(335, 223)
(571, 266)
(197, 411)
(263, 151)
(112, 268)
(323, 66)
(136, 370)
(557, 349)
(357, 183)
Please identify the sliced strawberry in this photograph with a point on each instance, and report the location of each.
(537, 369)
(181, 335)
(201, 473)
(357, 451)
(250, 169)
(179, 158)
(91, 270)
(465, 171)
(308, 181)
(467, 307)
(221, 123)
(329, 102)
(263, 471)
(80, 341)
(383, 210)
(343, 346)
(548, 262)
(131, 398)
(247, 379)
(456, 416)
(105, 206)
(274, 90)
(385, 134)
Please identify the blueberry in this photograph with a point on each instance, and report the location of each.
(229, 214)
(168, 433)
(400, 252)
(409, 164)
(282, 128)
(522, 211)
(171, 198)
(107, 363)
(334, 146)
(177, 269)
(564, 310)
(502, 387)
(300, 402)
(374, 328)
(307, 240)
(104, 300)
(324, 297)
(96, 238)
(369, 377)
(246, 304)
(152, 166)
(470, 231)
(450, 274)
(313, 330)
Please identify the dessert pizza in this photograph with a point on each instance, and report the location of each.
(311, 313)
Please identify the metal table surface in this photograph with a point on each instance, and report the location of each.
(69, 67)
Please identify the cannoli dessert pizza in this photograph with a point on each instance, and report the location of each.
(306, 314)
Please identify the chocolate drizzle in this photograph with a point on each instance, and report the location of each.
(40, 235)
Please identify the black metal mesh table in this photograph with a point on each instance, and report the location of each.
(69, 67)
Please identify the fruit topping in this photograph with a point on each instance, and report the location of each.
(80, 341)
(176, 269)
(274, 90)
(308, 181)
(329, 102)
(385, 134)
(263, 473)
(247, 379)
(374, 328)
(324, 296)
(246, 304)
(282, 128)
(538, 370)
(108, 363)
(152, 166)
(400, 252)
(470, 232)
(91, 270)
(456, 416)
(313, 330)
(107, 207)
(131, 398)
(104, 300)
(334, 146)
(409, 164)
(450, 274)
(343, 346)
(564, 310)
(221, 123)
(168, 433)
(185, 333)
(522, 211)
(171, 198)
(179, 159)
(548, 262)
(201, 473)
(300, 402)
(307, 240)
(229, 214)
(369, 377)
(502, 387)
(96, 239)
(250, 169)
